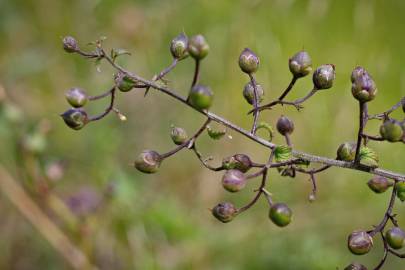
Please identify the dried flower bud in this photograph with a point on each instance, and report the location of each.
(400, 186)
(239, 162)
(248, 61)
(148, 161)
(201, 97)
(300, 64)
(378, 184)
(324, 76)
(346, 151)
(359, 242)
(178, 135)
(70, 44)
(224, 212)
(395, 238)
(249, 94)
(76, 97)
(280, 214)
(198, 47)
(391, 130)
(178, 46)
(234, 180)
(285, 125)
(123, 82)
(364, 88)
(355, 266)
(75, 118)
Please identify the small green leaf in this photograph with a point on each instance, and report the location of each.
(282, 153)
(268, 127)
(368, 157)
(117, 52)
(214, 134)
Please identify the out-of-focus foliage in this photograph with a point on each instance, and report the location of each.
(125, 220)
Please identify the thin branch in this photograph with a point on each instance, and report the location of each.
(362, 118)
(288, 89)
(259, 140)
(105, 94)
(196, 73)
(381, 116)
(108, 109)
(255, 103)
(163, 73)
(204, 162)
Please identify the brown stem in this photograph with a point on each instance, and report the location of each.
(362, 106)
(255, 103)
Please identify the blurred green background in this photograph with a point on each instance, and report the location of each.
(123, 219)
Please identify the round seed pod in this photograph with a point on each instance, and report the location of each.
(224, 212)
(75, 118)
(359, 242)
(233, 180)
(76, 97)
(395, 237)
(148, 161)
(300, 64)
(249, 93)
(248, 61)
(280, 214)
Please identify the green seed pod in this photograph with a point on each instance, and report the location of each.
(76, 97)
(249, 94)
(355, 266)
(391, 130)
(346, 151)
(285, 125)
(201, 97)
(198, 47)
(178, 46)
(178, 135)
(123, 82)
(324, 76)
(75, 118)
(148, 161)
(400, 186)
(239, 162)
(280, 214)
(248, 61)
(378, 184)
(300, 64)
(359, 242)
(364, 88)
(395, 237)
(70, 44)
(224, 212)
(234, 180)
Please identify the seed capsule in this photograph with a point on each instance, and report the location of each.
(359, 242)
(70, 44)
(75, 118)
(324, 76)
(249, 94)
(178, 46)
(148, 161)
(280, 214)
(355, 266)
(364, 88)
(198, 47)
(285, 125)
(395, 237)
(379, 184)
(346, 151)
(201, 97)
(123, 82)
(300, 64)
(178, 135)
(224, 212)
(239, 162)
(233, 180)
(391, 130)
(248, 61)
(76, 97)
